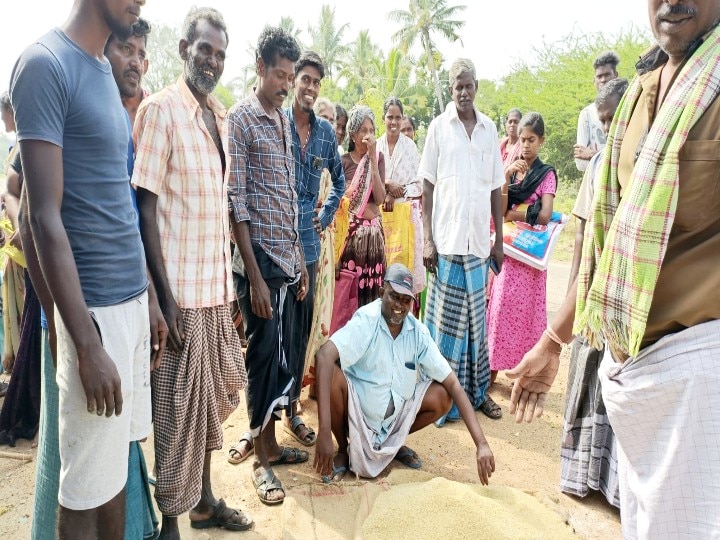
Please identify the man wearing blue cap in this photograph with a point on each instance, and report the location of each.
(391, 380)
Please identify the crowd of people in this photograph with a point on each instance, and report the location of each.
(165, 254)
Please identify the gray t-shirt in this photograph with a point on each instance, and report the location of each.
(64, 96)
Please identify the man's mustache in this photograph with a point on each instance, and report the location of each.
(678, 9)
(132, 70)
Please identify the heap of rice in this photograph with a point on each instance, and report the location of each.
(441, 508)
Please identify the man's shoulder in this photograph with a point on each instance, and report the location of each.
(47, 52)
(165, 98)
(244, 110)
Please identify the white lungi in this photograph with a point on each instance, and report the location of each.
(664, 406)
(367, 458)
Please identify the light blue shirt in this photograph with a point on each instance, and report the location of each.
(382, 368)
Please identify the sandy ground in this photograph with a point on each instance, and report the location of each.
(527, 458)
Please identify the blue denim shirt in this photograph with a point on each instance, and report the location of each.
(321, 153)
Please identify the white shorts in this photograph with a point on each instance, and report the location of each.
(94, 449)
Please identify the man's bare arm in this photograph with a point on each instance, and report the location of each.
(429, 250)
(259, 292)
(43, 169)
(147, 207)
(325, 360)
(36, 276)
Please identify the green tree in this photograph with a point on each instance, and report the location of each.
(327, 39)
(558, 83)
(359, 66)
(288, 24)
(423, 19)
(163, 56)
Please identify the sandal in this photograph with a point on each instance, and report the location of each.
(266, 482)
(309, 437)
(338, 473)
(235, 456)
(408, 457)
(290, 455)
(491, 409)
(225, 518)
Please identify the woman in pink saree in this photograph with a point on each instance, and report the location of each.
(364, 249)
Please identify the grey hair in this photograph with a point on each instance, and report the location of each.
(356, 117)
(195, 15)
(613, 89)
(460, 66)
(323, 103)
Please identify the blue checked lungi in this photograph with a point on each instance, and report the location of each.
(455, 316)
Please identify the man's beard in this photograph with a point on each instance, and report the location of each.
(201, 82)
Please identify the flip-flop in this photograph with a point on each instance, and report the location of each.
(225, 518)
(264, 483)
(409, 458)
(338, 473)
(235, 449)
(491, 409)
(289, 456)
(294, 424)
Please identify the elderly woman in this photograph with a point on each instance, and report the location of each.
(364, 247)
(402, 183)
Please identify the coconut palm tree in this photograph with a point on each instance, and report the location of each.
(423, 19)
(288, 24)
(359, 66)
(327, 40)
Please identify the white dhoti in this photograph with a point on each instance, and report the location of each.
(367, 458)
(664, 406)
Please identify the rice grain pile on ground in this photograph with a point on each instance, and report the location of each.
(441, 508)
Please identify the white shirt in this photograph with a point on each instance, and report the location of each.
(464, 170)
(589, 133)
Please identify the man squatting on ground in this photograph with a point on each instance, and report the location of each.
(381, 377)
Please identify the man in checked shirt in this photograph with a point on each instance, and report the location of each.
(269, 258)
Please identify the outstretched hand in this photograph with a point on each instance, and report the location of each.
(535, 375)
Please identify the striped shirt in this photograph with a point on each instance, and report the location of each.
(261, 187)
(177, 160)
(320, 153)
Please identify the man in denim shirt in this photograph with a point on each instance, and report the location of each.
(315, 148)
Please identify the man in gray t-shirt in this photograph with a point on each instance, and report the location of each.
(73, 138)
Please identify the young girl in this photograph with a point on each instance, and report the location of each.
(516, 313)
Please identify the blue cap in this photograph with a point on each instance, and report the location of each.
(400, 279)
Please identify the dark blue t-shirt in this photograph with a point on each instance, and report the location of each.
(64, 96)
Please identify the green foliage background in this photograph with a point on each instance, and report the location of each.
(555, 79)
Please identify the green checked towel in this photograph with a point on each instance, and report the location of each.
(625, 246)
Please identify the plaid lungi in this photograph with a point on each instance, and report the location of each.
(588, 450)
(455, 316)
(193, 394)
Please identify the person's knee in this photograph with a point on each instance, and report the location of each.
(437, 399)
(444, 399)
